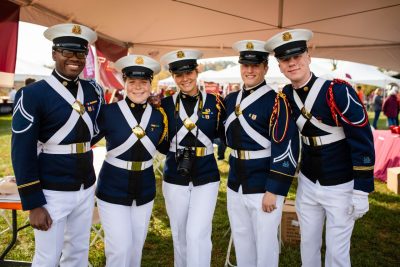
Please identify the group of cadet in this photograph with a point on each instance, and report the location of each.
(57, 120)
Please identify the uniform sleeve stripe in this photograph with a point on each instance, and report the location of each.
(283, 174)
(363, 168)
(28, 184)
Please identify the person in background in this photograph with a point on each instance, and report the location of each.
(11, 95)
(377, 104)
(391, 108)
(263, 159)
(191, 176)
(53, 123)
(126, 187)
(28, 81)
(337, 157)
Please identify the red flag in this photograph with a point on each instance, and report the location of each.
(9, 18)
(108, 75)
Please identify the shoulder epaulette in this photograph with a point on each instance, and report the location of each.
(335, 111)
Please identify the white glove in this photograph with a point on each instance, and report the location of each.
(360, 204)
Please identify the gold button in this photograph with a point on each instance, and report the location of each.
(132, 105)
(65, 83)
(305, 89)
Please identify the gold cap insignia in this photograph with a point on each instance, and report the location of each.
(139, 60)
(249, 46)
(180, 54)
(76, 29)
(286, 36)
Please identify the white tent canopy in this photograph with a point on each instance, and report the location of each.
(364, 31)
(359, 73)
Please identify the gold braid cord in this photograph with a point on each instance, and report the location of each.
(165, 122)
(273, 121)
(218, 106)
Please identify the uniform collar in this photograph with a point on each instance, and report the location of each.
(190, 98)
(250, 90)
(135, 106)
(69, 83)
(255, 87)
(307, 86)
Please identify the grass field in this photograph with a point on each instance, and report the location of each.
(375, 241)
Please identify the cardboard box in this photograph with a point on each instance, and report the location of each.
(393, 179)
(290, 228)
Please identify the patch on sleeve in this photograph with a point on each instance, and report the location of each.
(286, 157)
(22, 120)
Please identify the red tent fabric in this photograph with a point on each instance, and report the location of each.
(107, 53)
(9, 17)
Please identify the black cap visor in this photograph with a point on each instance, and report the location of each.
(252, 57)
(138, 72)
(183, 66)
(71, 43)
(290, 49)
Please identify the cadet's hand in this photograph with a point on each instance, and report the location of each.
(360, 204)
(269, 202)
(40, 219)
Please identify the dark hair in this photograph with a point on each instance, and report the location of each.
(29, 81)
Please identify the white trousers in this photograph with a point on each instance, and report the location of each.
(255, 232)
(190, 210)
(125, 229)
(68, 236)
(315, 204)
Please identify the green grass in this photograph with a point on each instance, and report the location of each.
(375, 241)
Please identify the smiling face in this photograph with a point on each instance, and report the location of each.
(137, 89)
(296, 68)
(187, 82)
(253, 74)
(68, 67)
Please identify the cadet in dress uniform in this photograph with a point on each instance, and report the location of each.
(336, 172)
(126, 187)
(263, 160)
(191, 176)
(53, 124)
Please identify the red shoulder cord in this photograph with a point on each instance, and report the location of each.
(273, 121)
(336, 111)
